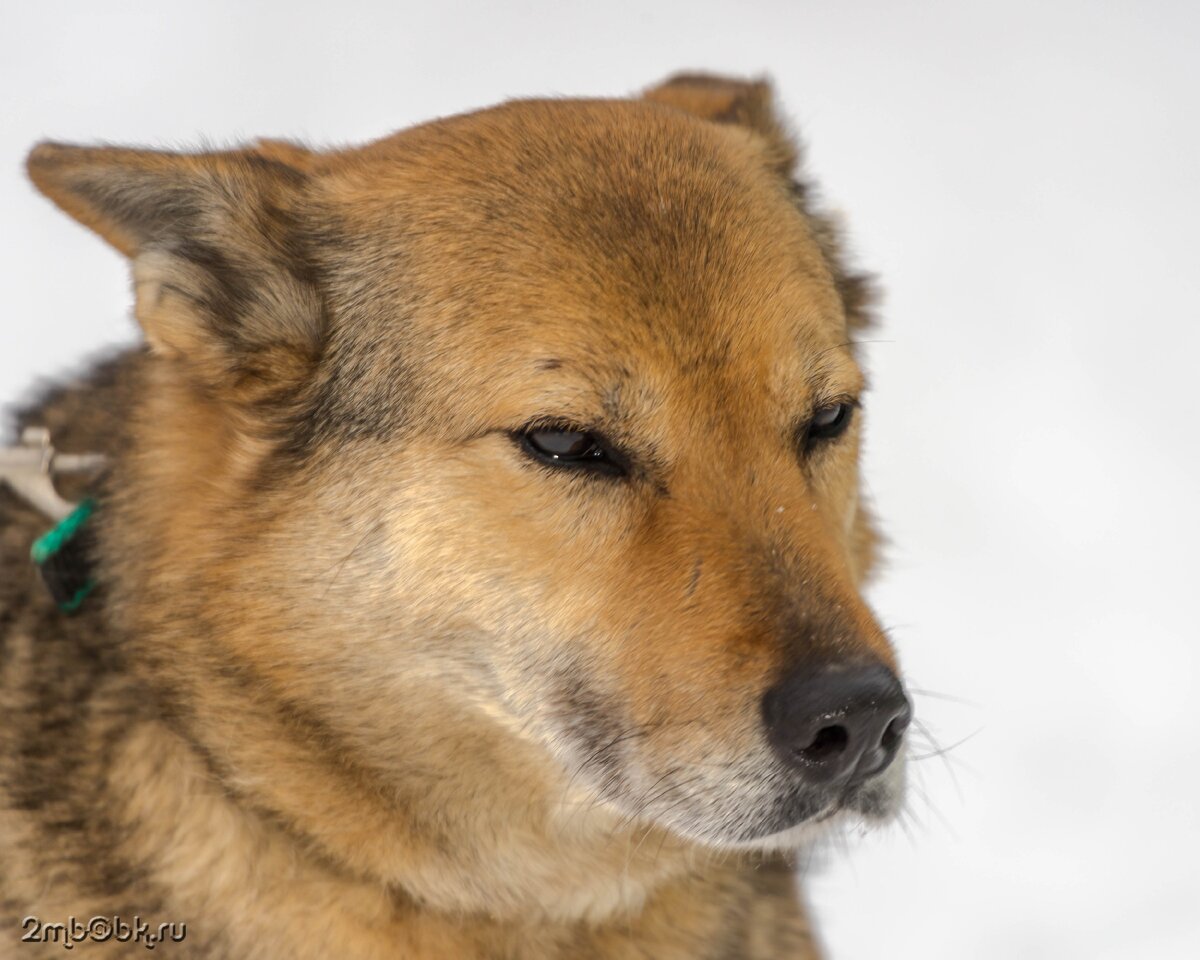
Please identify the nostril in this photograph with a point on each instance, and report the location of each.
(828, 743)
(894, 733)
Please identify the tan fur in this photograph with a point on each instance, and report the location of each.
(387, 688)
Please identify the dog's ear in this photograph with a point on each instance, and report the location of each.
(219, 269)
(751, 104)
(743, 103)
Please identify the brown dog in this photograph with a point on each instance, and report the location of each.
(479, 559)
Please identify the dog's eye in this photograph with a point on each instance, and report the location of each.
(562, 447)
(564, 444)
(829, 421)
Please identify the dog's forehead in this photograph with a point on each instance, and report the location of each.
(576, 235)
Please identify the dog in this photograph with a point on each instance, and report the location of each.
(477, 553)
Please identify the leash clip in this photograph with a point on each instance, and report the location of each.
(62, 554)
(30, 467)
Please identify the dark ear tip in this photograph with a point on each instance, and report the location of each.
(746, 103)
(716, 82)
(46, 157)
(47, 152)
(714, 93)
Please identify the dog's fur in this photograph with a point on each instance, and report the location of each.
(364, 680)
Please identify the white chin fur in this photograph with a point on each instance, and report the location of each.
(879, 802)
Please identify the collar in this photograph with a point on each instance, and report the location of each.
(64, 555)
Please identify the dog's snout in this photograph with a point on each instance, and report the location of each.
(837, 723)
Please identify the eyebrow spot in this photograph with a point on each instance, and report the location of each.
(611, 402)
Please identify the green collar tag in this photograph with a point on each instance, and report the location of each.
(63, 554)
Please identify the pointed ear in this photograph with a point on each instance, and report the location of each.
(743, 103)
(751, 104)
(218, 259)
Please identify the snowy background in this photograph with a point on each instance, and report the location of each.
(1025, 178)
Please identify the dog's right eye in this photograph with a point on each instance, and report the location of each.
(564, 447)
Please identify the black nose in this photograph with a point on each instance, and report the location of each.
(837, 722)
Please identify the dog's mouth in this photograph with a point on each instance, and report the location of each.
(767, 811)
(802, 814)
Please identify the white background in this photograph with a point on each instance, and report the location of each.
(1024, 176)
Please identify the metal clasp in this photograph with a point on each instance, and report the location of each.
(30, 467)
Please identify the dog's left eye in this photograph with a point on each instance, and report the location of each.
(562, 447)
(829, 421)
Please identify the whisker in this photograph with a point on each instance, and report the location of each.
(948, 761)
(849, 343)
(944, 751)
(948, 698)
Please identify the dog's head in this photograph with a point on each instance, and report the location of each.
(542, 420)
